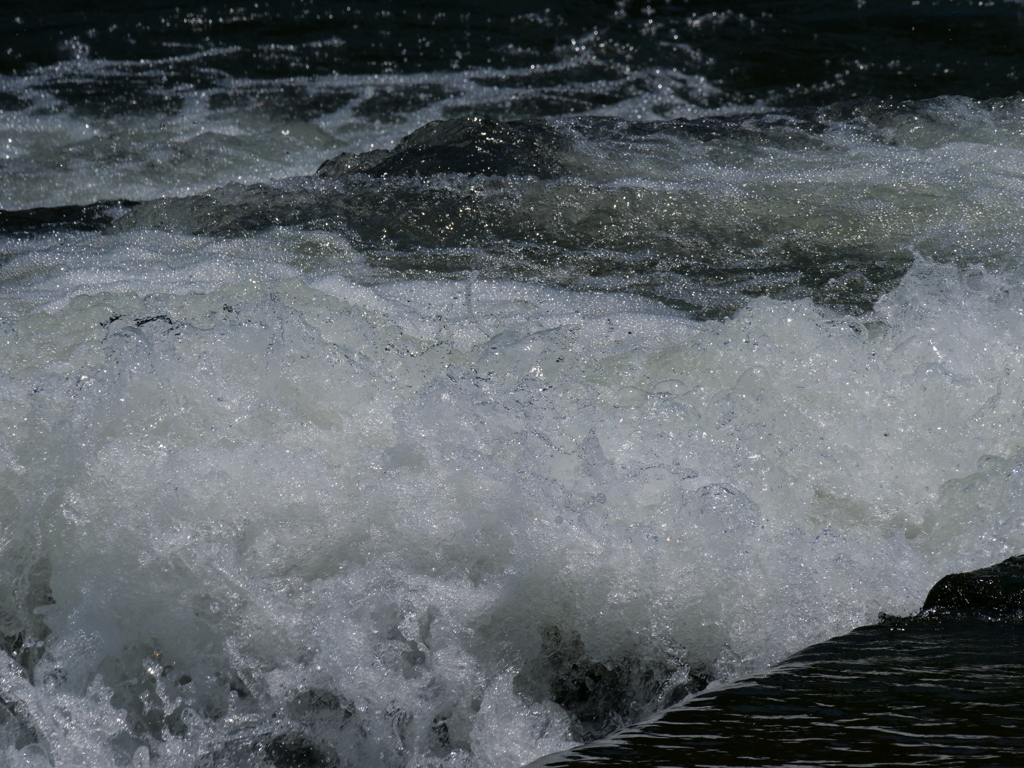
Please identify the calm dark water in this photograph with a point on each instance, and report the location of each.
(880, 696)
(793, 53)
(937, 689)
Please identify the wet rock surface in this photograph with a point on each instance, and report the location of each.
(467, 145)
(994, 593)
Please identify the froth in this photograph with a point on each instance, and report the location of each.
(151, 138)
(436, 522)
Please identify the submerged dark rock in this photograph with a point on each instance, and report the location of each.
(296, 751)
(288, 749)
(600, 696)
(475, 146)
(550, 201)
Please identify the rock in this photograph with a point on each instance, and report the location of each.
(469, 145)
(347, 163)
(995, 592)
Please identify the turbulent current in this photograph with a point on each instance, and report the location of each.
(454, 387)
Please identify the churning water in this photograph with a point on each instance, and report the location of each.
(689, 337)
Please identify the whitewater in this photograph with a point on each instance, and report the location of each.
(462, 416)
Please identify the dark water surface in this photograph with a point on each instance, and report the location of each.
(785, 52)
(942, 688)
(881, 696)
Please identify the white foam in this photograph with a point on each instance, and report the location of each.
(237, 473)
(271, 483)
(57, 156)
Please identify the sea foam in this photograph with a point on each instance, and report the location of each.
(460, 521)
